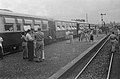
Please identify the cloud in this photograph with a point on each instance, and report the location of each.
(66, 9)
(25, 6)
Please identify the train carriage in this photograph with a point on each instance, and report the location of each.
(64, 26)
(12, 24)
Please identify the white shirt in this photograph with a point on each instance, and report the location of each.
(118, 31)
(29, 37)
(1, 40)
(79, 32)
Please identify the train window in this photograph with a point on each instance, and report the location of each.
(45, 25)
(9, 24)
(28, 21)
(26, 27)
(75, 26)
(37, 24)
(9, 20)
(63, 26)
(18, 27)
(58, 26)
(36, 27)
(9, 27)
(72, 26)
(69, 27)
(19, 24)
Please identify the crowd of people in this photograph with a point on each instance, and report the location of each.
(33, 45)
(87, 35)
(33, 42)
(82, 34)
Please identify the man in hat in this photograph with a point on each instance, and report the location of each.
(30, 45)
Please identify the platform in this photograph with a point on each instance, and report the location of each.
(57, 56)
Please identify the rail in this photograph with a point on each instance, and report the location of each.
(91, 59)
(78, 59)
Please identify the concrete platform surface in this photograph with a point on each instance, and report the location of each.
(57, 56)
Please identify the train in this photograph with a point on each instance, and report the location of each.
(12, 24)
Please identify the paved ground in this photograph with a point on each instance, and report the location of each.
(57, 55)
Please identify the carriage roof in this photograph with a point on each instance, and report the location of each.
(9, 13)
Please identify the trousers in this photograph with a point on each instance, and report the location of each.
(30, 45)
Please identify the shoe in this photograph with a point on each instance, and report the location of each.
(41, 60)
(35, 56)
(30, 60)
(37, 61)
(25, 58)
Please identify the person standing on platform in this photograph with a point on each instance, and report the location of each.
(97, 32)
(119, 38)
(39, 37)
(67, 36)
(33, 37)
(1, 48)
(86, 36)
(30, 45)
(71, 37)
(79, 35)
(113, 40)
(91, 37)
(24, 45)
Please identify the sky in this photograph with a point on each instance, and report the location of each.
(67, 9)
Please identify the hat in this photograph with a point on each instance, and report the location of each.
(39, 29)
(28, 30)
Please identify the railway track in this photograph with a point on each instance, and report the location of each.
(110, 66)
(91, 61)
(94, 65)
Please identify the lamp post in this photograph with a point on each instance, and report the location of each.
(103, 22)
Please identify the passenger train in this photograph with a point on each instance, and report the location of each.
(12, 24)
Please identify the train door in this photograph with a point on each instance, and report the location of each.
(52, 30)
